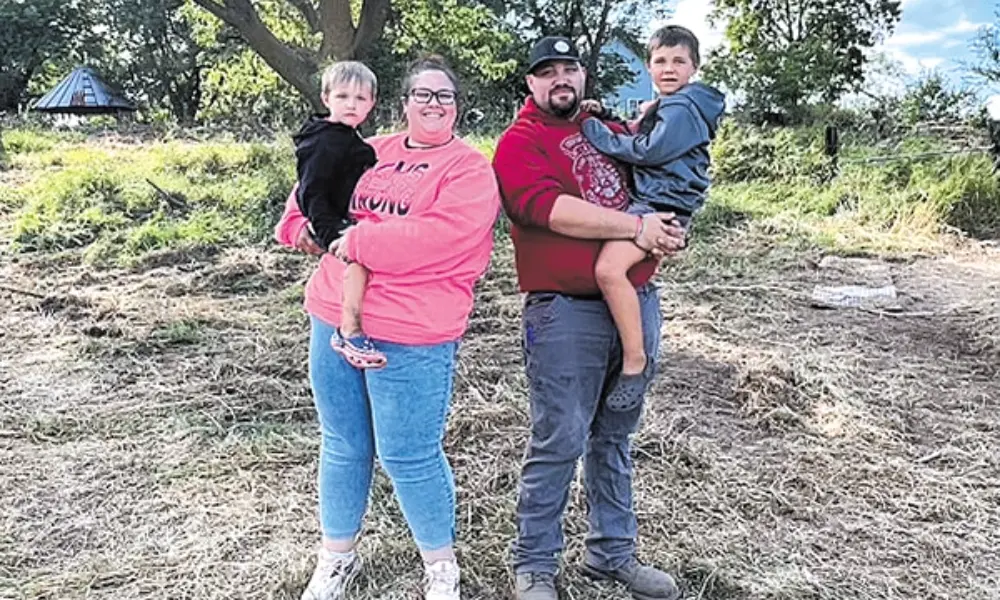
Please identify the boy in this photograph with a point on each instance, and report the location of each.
(670, 160)
(330, 158)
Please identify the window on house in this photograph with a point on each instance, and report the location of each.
(633, 107)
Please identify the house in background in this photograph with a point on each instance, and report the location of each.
(625, 100)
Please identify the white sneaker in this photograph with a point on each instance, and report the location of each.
(441, 580)
(334, 572)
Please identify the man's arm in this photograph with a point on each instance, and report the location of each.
(574, 217)
(533, 197)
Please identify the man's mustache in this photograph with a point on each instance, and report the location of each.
(563, 87)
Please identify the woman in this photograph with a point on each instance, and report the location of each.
(425, 216)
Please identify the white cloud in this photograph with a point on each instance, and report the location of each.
(993, 107)
(964, 25)
(931, 63)
(916, 38)
(913, 65)
(953, 36)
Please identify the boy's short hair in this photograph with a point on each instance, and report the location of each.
(674, 35)
(349, 71)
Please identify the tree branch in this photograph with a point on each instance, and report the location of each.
(577, 10)
(293, 65)
(374, 14)
(219, 11)
(338, 30)
(308, 13)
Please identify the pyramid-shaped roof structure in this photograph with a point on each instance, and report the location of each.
(83, 93)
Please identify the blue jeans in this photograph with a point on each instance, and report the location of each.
(399, 413)
(572, 357)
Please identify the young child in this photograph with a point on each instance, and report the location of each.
(330, 158)
(669, 155)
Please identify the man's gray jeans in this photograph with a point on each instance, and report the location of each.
(572, 357)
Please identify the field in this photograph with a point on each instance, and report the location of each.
(157, 437)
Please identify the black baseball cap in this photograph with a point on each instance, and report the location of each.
(552, 48)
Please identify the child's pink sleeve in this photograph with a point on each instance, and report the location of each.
(291, 222)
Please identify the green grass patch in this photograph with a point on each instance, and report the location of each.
(28, 141)
(101, 198)
(95, 197)
(781, 181)
(180, 333)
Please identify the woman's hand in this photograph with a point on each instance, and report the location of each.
(339, 249)
(306, 244)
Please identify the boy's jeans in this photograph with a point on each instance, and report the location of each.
(572, 357)
(398, 412)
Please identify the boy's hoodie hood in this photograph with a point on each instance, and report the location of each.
(710, 102)
(316, 124)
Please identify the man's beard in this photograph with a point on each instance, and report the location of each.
(565, 110)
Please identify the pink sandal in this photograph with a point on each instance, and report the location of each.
(359, 351)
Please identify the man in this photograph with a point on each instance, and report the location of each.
(565, 199)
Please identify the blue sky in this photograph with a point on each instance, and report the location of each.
(932, 34)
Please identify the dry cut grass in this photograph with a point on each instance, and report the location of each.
(157, 437)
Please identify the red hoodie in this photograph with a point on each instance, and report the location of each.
(538, 158)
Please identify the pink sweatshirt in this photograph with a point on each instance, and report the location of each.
(425, 232)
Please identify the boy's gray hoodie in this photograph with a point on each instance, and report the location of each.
(670, 152)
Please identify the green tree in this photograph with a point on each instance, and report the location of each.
(35, 32)
(335, 30)
(987, 47)
(470, 36)
(309, 34)
(238, 87)
(591, 23)
(154, 54)
(780, 55)
(932, 99)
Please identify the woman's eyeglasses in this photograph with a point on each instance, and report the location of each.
(424, 95)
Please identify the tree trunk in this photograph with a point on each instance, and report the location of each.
(596, 41)
(12, 86)
(299, 66)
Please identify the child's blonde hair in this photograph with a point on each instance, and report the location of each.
(349, 71)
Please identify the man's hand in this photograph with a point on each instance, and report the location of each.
(306, 244)
(660, 234)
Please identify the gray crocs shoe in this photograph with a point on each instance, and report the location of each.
(627, 393)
